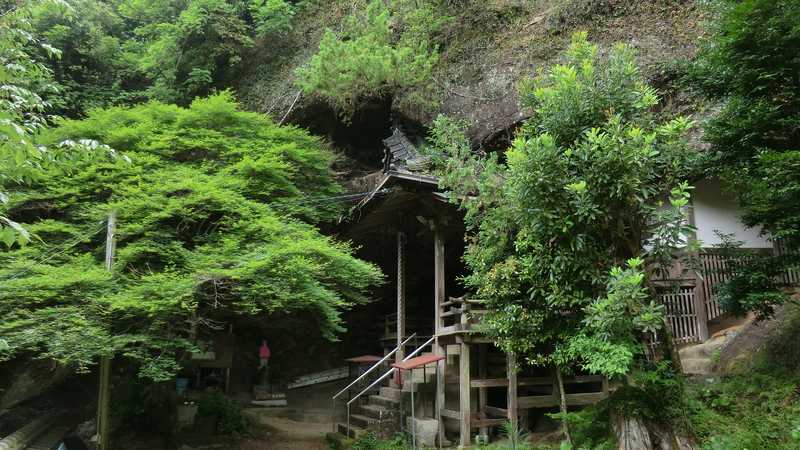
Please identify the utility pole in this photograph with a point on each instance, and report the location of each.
(105, 361)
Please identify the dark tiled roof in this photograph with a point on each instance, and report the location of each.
(400, 154)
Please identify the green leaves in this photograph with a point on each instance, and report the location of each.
(12, 233)
(613, 324)
(749, 64)
(272, 16)
(367, 63)
(216, 212)
(577, 196)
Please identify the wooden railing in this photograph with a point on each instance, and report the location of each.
(718, 269)
(791, 276)
(460, 314)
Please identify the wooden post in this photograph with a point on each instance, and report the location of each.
(438, 280)
(439, 349)
(482, 394)
(401, 294)
(105, 361)
(464, 394)
(511, 373)
(700, 310)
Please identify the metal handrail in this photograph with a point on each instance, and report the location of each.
(390, 371)
(382, 377)
(374, 366)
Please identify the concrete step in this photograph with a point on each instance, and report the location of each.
(697, 366)
(376, 411)
(362, 421)
(391, 392)
(355, 432)
(384, 401)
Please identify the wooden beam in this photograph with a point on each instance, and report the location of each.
(489, 382)
(475, 338)
(464, 395)
(438, 299)
(537, 401)
(534, 381)
(494, 411)
(450, 414)
(701, 315)
(511, 374)
(550, 400)
(485, 423)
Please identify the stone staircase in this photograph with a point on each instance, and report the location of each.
(380, 412)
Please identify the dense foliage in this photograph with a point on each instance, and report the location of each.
(756, 405)
(369, 61)
(750, 63)
(215, 209)
(22, 111)
(119, 52)
(579, 196)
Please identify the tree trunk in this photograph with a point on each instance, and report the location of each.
(631, 433)
(563, 404)
(670, 349)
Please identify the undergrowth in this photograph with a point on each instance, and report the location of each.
(759, 406)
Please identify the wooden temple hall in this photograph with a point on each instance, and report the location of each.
(464, 386)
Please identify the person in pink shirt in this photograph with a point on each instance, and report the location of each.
(264, 354)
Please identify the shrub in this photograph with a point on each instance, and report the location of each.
(366, 62)
(227, 413)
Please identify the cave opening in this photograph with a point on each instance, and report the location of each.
(360, 140)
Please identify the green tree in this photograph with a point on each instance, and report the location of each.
(272, 16)
(99, 55)
(750, 63)
(216, 210)
(580, 192)
(366, 62)
(22, 110)
(124, 51)
(189, 55)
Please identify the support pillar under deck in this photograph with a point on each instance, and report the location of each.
(464, 394)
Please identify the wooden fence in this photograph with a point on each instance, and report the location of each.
(682, 305)
(681, 313)
(716, 270)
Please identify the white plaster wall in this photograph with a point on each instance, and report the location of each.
(714, 209)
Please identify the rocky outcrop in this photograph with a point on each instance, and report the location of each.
(485, 51)
(755, 337)
(24, 380)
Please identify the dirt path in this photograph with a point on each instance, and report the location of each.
(287, 434)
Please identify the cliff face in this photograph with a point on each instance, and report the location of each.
(485, 50)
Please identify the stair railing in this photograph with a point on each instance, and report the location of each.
(361, 377)
(383, 377)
